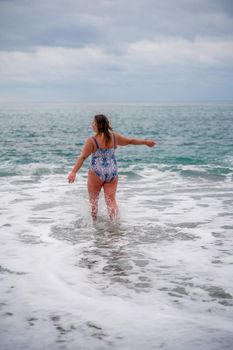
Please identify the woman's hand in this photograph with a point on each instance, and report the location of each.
(150, 143)
(71, 177)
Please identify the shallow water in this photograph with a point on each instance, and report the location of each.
(161, 277)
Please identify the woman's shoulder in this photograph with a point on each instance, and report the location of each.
(115, 134)
(90, 142)
(122, 140)
(90, 139)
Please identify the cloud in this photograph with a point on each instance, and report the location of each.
(182, 52)
(77, 23)
(47, 64)
(73, 44)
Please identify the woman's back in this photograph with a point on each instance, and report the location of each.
(102, 143)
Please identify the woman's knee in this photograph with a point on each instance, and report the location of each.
(110, 198)
(93, 198)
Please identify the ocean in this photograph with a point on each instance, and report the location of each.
(161, 277)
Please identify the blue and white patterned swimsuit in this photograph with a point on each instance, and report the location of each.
(103, 162)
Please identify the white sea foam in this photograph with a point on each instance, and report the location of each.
(162, 277)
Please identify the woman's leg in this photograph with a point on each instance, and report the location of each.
(94, 185)
(110, 197)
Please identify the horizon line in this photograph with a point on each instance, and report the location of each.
(115, 102)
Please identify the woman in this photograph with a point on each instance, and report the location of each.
(103, 166)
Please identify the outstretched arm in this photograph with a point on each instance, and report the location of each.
(86, 151)
(124, 141)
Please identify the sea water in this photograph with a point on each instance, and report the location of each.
(161, 277)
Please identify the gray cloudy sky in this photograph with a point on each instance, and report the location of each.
(116, 50)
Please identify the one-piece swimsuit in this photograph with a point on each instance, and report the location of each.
(103, 162)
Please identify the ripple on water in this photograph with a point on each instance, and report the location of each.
(6, 270)
(74, 232)
(217, 292)
(30, 239)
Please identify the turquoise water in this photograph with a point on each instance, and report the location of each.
(159, 278)
(198, 135)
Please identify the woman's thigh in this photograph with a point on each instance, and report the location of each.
(94, 184)
(110, 188)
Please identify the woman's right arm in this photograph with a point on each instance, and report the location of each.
(86, 151)
(122, 140)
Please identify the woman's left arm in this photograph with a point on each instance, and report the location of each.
(149, 143)
(86, 151)
(124, 141)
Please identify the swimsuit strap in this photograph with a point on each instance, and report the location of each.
(114, 140)
(96, 142)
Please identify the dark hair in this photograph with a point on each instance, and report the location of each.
(103, 126)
